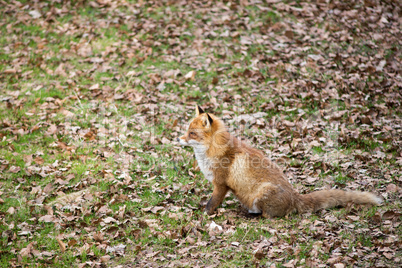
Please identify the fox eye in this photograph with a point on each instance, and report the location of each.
(192, 133)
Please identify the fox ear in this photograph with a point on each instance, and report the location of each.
(208, 121)
(198, 110)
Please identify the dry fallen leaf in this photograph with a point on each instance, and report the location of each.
(47, 218)
(339, 265)
(214, 228)
(14, 169)
(35, 14)
(93, 104)
(105, 258)
(61, 245)
(51, 130)
(11, 211)
(190, 75)
(26, 252)
(109, 220)
(98, 236)
(392, 188)
(259, 254)
(39, 160)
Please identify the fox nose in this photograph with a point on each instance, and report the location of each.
(178, 139)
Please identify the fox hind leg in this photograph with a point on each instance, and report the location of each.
(277, 202)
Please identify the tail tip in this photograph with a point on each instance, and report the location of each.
(378, 200)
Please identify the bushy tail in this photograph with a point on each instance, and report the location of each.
(333, 198)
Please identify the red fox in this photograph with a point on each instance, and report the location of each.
(259, 184)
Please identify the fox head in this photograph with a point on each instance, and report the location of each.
(204, 131)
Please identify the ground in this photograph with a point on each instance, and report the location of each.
(93, 95)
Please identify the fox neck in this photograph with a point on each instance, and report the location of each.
(219, 145)
(208, 154)
(204, 162)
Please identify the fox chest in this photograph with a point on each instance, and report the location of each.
(205, 165)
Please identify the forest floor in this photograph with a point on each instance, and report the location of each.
(93, 95)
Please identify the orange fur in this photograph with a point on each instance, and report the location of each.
(258, 183)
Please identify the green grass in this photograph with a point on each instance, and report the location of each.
(157, 172)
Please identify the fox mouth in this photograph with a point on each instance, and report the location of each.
(193, 143)
(182, 142)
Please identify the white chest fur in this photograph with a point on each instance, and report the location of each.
(204, 163)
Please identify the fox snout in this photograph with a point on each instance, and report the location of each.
(182, 140)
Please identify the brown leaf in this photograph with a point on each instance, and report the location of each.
(376, 218)
(290, 264)
(117, 250)
(109, 220)
(105, 258)
(98, 236)
(156, 209)
(11, 211)
(339, 265)
(51, 130)
(48, 188)
(142, 224)
(85, 50)
(259, 254)
(61, 245)
(94, 87)
(14, 169)
(392, 188)
(10, 71)
(288, 123)
(60, 70)
(214, 228)
(190, 75)
(121, 212)
(39, 160)
(389, 215)
(47, 218)
(72, 242)
(175, 123)
(26, 252)
(90, 135)
(289, 34)
(49, 209)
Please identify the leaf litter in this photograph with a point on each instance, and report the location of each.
(94, 99)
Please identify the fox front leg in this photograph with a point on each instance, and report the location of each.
(218, 195)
